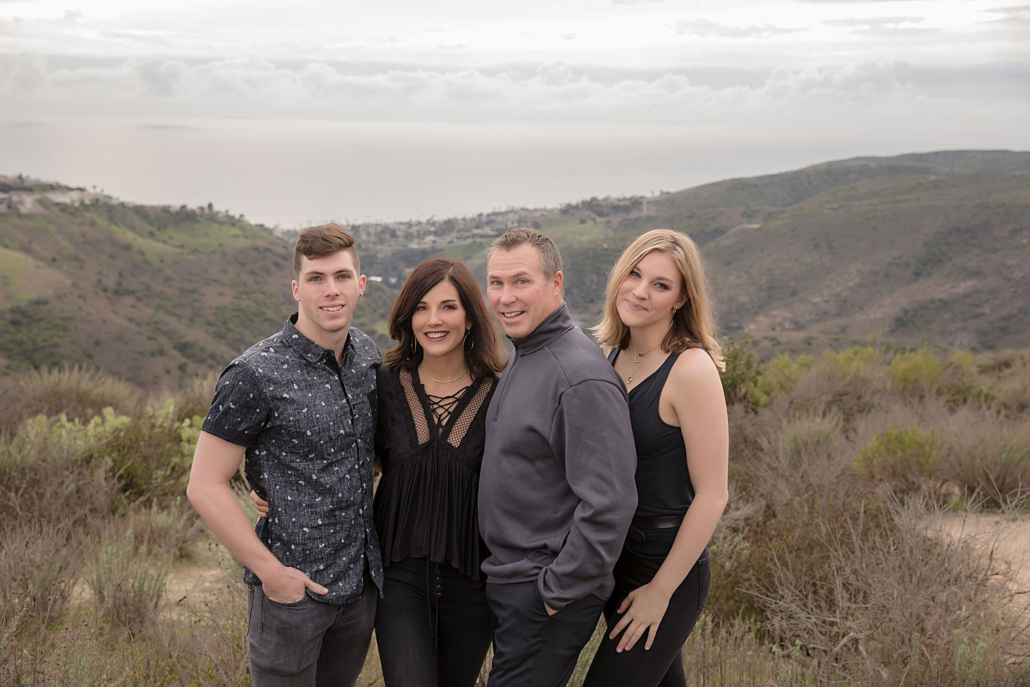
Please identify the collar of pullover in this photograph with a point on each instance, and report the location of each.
(556, 324)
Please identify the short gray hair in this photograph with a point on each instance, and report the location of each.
(550, 258)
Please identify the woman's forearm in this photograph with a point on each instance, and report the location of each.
(694, 534)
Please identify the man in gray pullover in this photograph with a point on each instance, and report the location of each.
(556, 490)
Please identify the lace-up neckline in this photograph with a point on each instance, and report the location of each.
(443, 406)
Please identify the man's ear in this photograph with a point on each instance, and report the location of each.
(361, 285)
(557, 282)
(296, 291)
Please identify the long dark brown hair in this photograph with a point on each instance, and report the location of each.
(482, 353)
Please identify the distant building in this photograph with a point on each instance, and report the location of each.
(5, 202)
(376, 278)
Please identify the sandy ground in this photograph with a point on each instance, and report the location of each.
(1006, 535)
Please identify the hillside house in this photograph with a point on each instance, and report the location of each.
(5, 202)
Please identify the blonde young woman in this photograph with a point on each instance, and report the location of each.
(658, 333)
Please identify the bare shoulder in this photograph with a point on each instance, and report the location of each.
(695, 371)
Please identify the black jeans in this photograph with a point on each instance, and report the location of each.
(308, 643)
(433, 626)
(532, 649)
(662, 664)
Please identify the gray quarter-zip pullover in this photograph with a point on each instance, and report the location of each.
(557, 490)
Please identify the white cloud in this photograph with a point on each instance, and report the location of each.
(705, 27)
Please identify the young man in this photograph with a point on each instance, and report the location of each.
(556, 490)
(300, 406)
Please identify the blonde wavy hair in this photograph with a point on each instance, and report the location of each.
(692, 324)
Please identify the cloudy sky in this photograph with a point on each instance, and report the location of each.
(314, 110)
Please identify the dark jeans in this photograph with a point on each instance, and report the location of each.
(433, 626)
(308, 643)
(532, 649)
(662, 664)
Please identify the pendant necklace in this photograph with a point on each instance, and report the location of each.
(638, 360)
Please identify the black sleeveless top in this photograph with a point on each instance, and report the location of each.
(663, 481)
(426, 502)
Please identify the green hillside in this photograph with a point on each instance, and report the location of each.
(913, 248)
(153, 295)
(916, 248)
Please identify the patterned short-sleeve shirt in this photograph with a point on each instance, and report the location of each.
(308, 426)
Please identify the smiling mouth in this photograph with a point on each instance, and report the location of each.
(332, 308)
(511, 315)
(436, 336)
(635, 306)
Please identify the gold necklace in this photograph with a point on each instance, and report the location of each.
(638, 360)
(421, 371)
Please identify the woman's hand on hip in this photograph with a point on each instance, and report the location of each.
(642, 611)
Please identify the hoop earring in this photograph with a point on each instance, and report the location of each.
(469, 350)
(414, 347)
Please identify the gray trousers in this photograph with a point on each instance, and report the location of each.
(309, 643)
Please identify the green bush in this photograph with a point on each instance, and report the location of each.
(742, 371)
(851, 362)
(777, 377)
(151, 455)
(907, 458)
(916, 372)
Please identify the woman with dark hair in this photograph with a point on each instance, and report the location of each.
(658, 334)
(433, 625)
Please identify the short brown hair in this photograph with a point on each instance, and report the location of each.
(482, 353)
(323, 241)
(550, 258)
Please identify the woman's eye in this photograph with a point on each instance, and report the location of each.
(634, 273)
(663, 287)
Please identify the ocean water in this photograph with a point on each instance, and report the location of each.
(296, 172)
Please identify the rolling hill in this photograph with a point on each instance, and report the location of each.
(915, 248)
(151, 294)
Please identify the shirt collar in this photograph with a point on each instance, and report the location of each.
(556, 324)
(310, 350)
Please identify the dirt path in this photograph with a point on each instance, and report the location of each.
(1007, 535)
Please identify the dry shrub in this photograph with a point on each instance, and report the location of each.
(202, 644)
(732, 654)
(808, 457)
(49, 474)
(167, 532)
(850, 384)
(38, 568)
(1009, 375)
(195, 397)
(988, 453)
(898, 607)
(77, 392)
(127, 587)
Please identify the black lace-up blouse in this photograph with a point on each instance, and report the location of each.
(425, 505)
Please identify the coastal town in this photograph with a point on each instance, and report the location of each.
(390, 246)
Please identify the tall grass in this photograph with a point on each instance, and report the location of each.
(830, 566)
